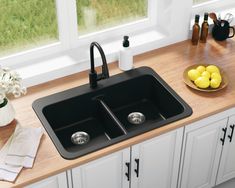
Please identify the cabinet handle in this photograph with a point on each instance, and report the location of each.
(137, 167)
(231, 136)
(223, 139)
(128, 171)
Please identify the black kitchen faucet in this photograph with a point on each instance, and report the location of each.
(93, 76)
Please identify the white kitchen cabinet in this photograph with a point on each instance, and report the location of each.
(57, 181)
(208, 151)
(202, 154)
(107, 172)
(153, 163)
(227, 163)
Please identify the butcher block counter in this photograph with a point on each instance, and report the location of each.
(169, 62)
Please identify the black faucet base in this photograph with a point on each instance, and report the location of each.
(93, 79)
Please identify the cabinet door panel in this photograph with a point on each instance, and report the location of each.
(202, 155)
(227, 164)
(107, 172)
(58, 181)
(158, 161)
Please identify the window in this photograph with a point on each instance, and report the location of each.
(36, 28)
(95, 15)
(108, 20)
(25, 24)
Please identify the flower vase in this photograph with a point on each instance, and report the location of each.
(7, 113)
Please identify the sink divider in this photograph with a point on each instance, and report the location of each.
(111, 115)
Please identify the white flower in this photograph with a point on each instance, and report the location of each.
(10, 83)
(3, 86)
(16, 88)
(6, 69)
(14, 74)
(6, 77)
(16, 94)
(23, 90)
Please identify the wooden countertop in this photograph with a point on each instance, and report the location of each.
(169, 62)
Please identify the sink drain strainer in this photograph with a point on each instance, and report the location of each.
(136, 118)
(80, 138)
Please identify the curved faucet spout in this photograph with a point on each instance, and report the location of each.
(93, 77)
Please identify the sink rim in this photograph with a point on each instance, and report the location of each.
(39, 104)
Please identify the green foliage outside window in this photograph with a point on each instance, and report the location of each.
(26, 23)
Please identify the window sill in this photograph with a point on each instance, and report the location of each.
(222, 13)
(77, 60)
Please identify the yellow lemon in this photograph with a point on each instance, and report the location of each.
(193, 74)
(212, 68)
(202, 82)
(206, 74)
(217, 76)
(214, 83)
(201, 69)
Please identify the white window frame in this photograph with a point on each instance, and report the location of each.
(68, 34)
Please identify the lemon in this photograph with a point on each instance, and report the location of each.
(193, 74)
(212, 68)
(202, 82)
(201, 68)
(217, 76)
(206, 74)
(214, 83)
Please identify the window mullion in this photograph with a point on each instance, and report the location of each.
(66, 13)
(62, 23)
(152, 13)
(72, 22)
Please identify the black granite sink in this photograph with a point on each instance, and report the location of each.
(103, 112)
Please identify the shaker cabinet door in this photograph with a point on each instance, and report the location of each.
(107, 172)
(227, 163)
(202, 154)
(57, 181)
(155, 162)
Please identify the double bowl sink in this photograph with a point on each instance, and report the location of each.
(82, 120)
